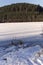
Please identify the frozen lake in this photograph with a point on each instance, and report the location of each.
(9, 31)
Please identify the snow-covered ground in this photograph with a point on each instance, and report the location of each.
(14, 30)
(22, 56)
(28, 53)
(9, 31)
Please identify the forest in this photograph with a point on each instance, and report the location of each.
(21, 12)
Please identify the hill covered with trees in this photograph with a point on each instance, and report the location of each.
(21, 12)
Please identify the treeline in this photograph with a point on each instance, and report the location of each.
(21, 12)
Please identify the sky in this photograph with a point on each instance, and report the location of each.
(8, 2)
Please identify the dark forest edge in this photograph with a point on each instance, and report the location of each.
(21, 12)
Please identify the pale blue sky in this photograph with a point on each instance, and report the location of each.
(7, 2)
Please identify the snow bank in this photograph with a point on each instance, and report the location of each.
(20, 57)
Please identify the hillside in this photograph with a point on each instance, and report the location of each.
(21, 12)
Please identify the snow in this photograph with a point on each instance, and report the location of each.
(14, 30)
(9, 31)
(22, 56)
(30, 53)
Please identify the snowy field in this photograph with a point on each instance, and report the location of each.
(20, 29)
(30, 52)
(9, 31)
